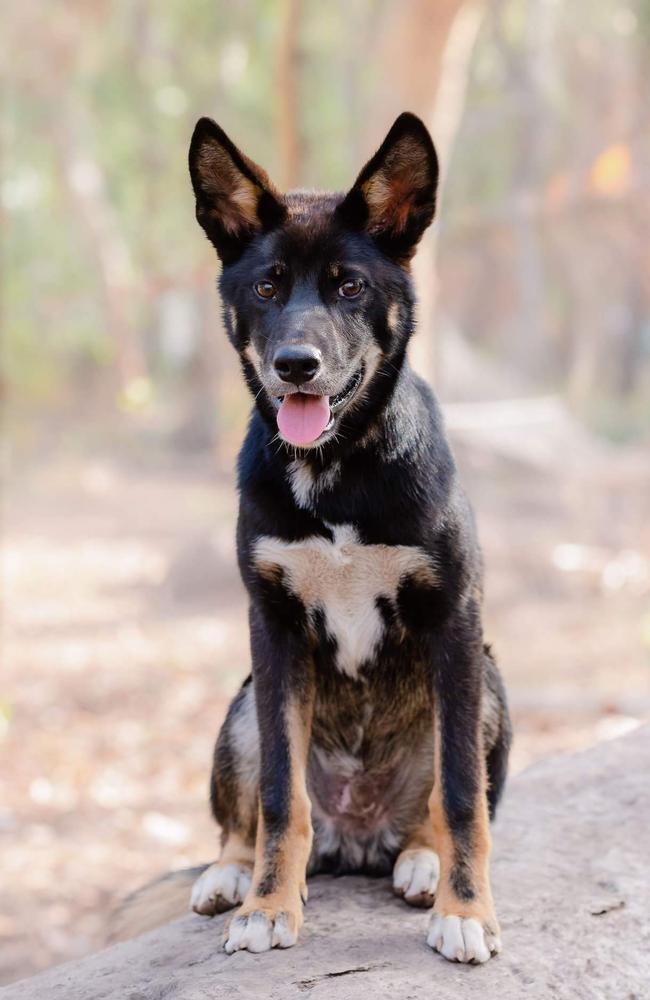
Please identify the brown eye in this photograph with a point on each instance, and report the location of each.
(351, 288)
(265, 289)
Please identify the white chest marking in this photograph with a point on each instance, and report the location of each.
(305, 486)
(344, 578)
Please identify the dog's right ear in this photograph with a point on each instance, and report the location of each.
(234, 197)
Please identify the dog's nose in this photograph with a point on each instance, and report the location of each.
(297, 363)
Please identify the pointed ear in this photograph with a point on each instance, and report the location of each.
(394, 197)
(234, 197)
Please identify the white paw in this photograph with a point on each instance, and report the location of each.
(462, 939)
(220, 887)
(415, 876)
(258, 931)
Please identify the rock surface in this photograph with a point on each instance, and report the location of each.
(571, 875)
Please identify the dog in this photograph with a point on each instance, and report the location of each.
(373, 733)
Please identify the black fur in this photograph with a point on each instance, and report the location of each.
(385, 468)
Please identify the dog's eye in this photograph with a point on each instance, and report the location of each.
(265, 289)
(351, 288)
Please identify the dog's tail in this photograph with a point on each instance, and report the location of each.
(156, 903)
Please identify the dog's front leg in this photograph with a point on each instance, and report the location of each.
(271, 914)
(463, 925)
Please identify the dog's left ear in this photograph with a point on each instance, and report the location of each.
(394, 197)
(235, 199)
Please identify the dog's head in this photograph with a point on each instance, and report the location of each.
(316, 287)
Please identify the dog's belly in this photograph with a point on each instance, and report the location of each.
(343, 580)
(362, 811)
(353, 799)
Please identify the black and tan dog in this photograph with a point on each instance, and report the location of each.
(373, 735)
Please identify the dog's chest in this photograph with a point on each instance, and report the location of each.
(344, 579)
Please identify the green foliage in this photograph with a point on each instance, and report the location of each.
(106, 96)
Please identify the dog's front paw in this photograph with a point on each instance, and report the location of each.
(415, 876)
(220, 887)
(462, 939)
(258, 927)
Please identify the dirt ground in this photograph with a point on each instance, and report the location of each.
(124, 636)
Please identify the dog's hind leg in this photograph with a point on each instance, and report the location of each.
(417, 868)
(225, 883)
(234, 791)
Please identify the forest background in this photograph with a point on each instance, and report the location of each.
(123, 620)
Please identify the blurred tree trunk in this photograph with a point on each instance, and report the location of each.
(525, 67)
(144, 50)
(631, 341)
(3, 251)
(409, 53)
(70, 126)
(431, 41)
(88, 190)
(287, 94)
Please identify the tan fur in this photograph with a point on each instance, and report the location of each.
(372, 360)
(253, 355)
(235, 195)
(389, 192)
(344, 578)
(422, 836)
(236, 851)
(447, 901)
(392, 317)
(295, 847)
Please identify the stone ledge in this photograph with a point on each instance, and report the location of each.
(572, 886)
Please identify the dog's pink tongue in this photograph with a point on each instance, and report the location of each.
(303, 418)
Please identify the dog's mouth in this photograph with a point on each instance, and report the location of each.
(303, 418)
